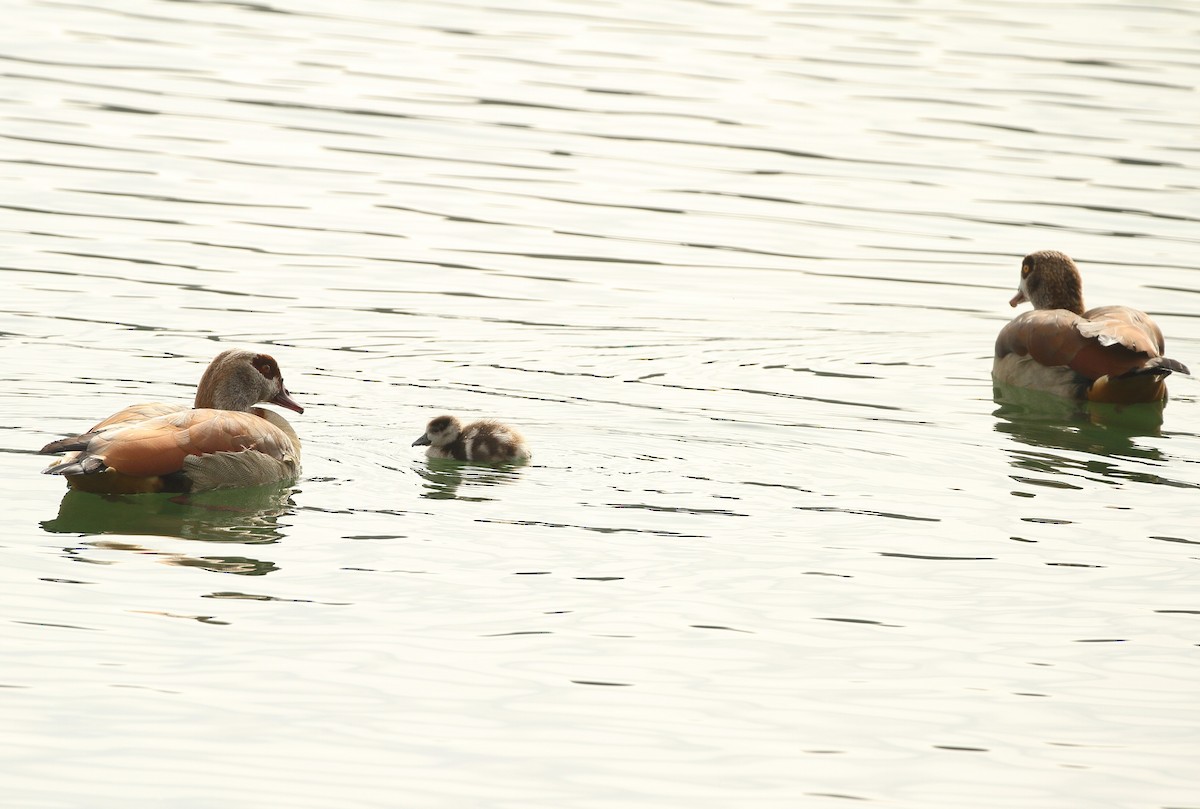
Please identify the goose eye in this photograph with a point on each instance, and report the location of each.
(1025, 270)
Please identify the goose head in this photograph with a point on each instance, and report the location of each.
(1050, 280)
(238, 380)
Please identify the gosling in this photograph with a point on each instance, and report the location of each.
(481, 441)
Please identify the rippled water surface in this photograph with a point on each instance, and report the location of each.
(735, 269)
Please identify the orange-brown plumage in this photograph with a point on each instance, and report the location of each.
(1110, 353)
(223, 441)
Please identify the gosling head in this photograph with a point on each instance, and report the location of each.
(440, 432)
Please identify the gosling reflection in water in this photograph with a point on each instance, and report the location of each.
(444, 477)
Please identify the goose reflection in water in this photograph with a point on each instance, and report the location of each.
(237, 565)
(1051, 422)
(246, 516)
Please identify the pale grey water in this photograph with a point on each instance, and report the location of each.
(735, 269)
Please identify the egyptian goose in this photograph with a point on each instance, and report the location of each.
(1109, 354)
(223, 441)
(481, 441)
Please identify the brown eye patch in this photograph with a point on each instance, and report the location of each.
(266, 366)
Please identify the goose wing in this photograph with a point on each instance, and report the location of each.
(1108, 341)
(134, 414)
(159, 445)
(1121, 325)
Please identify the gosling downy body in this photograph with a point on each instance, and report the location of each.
(484, 441)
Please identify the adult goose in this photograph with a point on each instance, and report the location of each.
(1108, 354)
(224, 440)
